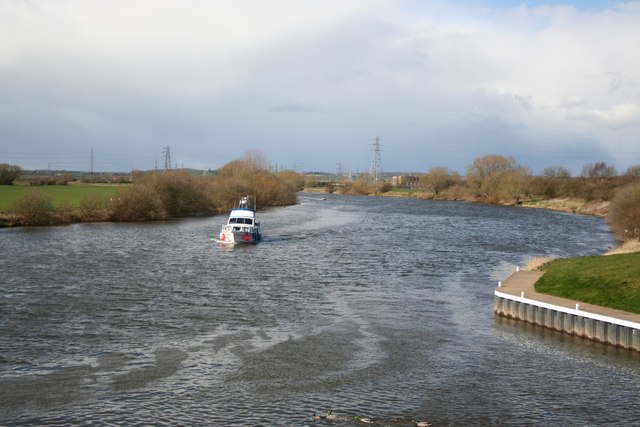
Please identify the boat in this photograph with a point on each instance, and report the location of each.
(242, 227)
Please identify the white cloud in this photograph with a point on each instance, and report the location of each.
(200, 75)
(618, 116)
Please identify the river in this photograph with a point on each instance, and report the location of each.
(371, 306)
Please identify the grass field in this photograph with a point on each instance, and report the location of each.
(70, 194)
(609, 281)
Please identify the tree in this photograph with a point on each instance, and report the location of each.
(553, 181)
(9, 173)
(598, 170)
(633, 172)
(256, 158)
(494, 178)
(438, 179)
(556, 172)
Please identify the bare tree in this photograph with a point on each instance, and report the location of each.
(556, 172)
(438, 179)
(598, 170)
(495, 177)
(256, 158)
(633, 172)
(9, 173)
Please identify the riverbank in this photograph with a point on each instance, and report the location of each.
(518, 298)
(564, 204)
(599, 208)
(608, 281)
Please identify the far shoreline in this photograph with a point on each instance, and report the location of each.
(598, 208)
(567, 205)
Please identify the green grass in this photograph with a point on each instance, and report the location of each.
(70, 194)
(609, 281)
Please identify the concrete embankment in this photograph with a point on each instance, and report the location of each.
(516, 298)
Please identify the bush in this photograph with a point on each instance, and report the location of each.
(624, 213)
(383, 187)
(35, 208)
(9, 173)
(139, 203)
(633, 172)
(93, 208)
(360, 187)
(181, 194)
(249, 176)
(438, 179)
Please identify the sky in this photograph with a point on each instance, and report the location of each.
(312, 83)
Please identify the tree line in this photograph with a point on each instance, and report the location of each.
(169, 194)
(492, 179)
(500, 179)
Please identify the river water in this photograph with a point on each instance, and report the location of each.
(361, 305)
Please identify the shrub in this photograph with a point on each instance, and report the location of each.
(360, 187)
(438, 179)
(249, 176)
(64, 213)
(180, 193)
(9, 173)
(139, 203)
(383, 187)
(93, 208)
(624, 212)
(35, 208)
(633, 172)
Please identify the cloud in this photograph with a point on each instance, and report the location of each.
(618, 116)
(313, 82)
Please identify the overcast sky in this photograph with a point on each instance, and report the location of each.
(311, 83)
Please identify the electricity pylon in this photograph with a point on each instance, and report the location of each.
(167, 158)
(376, 161)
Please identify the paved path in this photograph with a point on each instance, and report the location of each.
(523, 281)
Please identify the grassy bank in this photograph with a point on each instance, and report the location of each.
(572, 205)
(609, 281)
(151, 196)
(70, 195)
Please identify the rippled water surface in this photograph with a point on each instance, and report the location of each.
(362, 305)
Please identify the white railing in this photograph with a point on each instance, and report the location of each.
(577, 311)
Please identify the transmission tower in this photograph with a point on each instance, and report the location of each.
(92, 170)
(167, 158)
(376, 161)
(339, 170)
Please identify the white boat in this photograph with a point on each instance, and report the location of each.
(242, 227)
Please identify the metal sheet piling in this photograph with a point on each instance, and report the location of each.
(516, 298)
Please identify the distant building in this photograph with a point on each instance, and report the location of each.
(407, 181)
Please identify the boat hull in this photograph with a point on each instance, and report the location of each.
(237, 236)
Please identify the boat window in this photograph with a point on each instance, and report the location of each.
(248, 221)
(232, 220)
(240, 220)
